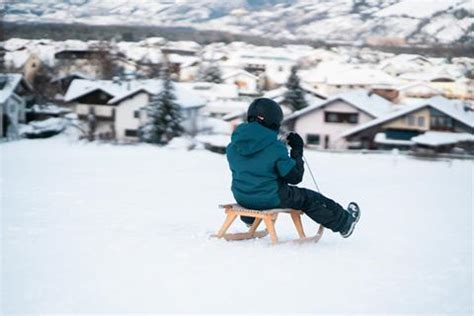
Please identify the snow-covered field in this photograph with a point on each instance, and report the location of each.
(103, 228)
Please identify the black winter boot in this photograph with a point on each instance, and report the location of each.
(354, 216)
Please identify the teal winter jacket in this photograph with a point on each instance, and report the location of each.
(258, 161)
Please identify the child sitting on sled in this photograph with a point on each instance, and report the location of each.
(263, 175)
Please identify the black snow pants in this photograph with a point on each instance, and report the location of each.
(318, 207)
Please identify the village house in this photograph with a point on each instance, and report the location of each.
(213, 91)
(14, 90)
(405, 63)
(234, 110)
(221, 98)
(61, 83)
(322, 124)
(273, 64)
(443, 142)
(91, 62)
(398, 128)
(311, 96)
(246, 83)
(400, 93)
(331, 77)
(119, 106)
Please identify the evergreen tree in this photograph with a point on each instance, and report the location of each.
(211, 73)
(164, 115)
(294, 96)
(2, 60)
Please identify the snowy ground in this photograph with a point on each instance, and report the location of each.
(102, 228)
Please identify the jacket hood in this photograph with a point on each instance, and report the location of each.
(250, 138)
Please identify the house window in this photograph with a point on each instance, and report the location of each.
(131, 133)
(335, 117)
(440, 121)
(136, 114)
(421, 121)
(410, 120)
(102, 97)
(331, 117)
(312, 139)
(353, 118)
(12, 108)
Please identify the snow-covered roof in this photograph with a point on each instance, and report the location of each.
(120, 90)
(426, 76)
(71, 74)
(50, 109)
(432, 138)
(213, 91)
(184, 61)
(419, 85)
(276, 75)
(237, 73)
(360, 76)
(12, 81)
(452, 108)
(404, 58)
(363, 100)
(183, 45)
(81, 87)
(335, 73)
(311, 94)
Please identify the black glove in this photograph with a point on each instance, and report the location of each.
(296, 143)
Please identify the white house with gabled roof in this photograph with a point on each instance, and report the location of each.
(12, 104)
(119, 106)
(322, 124)
(398, 128)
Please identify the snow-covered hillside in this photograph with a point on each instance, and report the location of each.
(102, 228)
(430, 21)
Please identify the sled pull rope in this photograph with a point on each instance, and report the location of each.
(311, 173)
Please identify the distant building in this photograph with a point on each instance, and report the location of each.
(90, 62)
(399, 93)
(13, 101)
(404, 63)
(443, 142)
(331, 78)
(119, 106)
(221, 98)
(322, 124)
(398, 128)
(62, 83)
(245, 82)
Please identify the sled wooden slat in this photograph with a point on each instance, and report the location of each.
(269, 217)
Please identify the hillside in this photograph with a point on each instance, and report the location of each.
(425, 21)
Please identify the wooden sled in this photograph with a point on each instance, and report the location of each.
(269, 217)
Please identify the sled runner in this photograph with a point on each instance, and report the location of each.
(269, 217)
